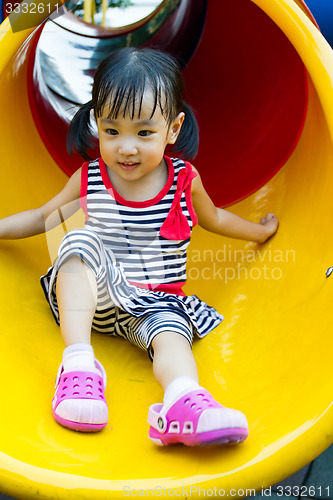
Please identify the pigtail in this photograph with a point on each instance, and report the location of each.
(80, 134)
(187, 143)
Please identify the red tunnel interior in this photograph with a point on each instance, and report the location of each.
(248, 87)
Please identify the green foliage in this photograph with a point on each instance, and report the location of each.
(76, 6)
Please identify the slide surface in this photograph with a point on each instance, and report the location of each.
(271, 357)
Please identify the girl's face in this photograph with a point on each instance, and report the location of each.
(133, 148)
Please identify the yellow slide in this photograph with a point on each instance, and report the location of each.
(271, 357)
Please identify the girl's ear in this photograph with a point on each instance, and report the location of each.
(175, 127)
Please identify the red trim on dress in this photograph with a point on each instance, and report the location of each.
(188, 196)
(84, 188)
(172, 288)
(138, 204)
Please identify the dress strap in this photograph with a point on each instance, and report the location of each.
(176, 226)
(84, 188)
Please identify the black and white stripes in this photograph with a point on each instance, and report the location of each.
(122, 245)
(132, 230)
(120, 308)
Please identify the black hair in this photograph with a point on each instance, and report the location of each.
(119, 84)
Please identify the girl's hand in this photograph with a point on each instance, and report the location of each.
(271, 224)
(220, 221)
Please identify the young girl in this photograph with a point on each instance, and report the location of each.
(123, 273)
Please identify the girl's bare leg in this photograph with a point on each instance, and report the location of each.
(77, 300)
(176, 371)
(173, 358)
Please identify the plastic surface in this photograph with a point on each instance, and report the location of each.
(270, 358)
(256, 90)
(57, 83)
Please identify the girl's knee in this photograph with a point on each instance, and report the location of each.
(83, 244)
(72, 264)
(81, 237)
(170, 340)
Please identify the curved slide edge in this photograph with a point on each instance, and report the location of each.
(271, 357)
(258, 91)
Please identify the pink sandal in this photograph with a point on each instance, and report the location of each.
(185, 422)
(82, 385)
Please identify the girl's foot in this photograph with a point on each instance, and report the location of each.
(196, 419)
(79, 402)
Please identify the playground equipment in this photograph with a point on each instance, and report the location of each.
(259, 75)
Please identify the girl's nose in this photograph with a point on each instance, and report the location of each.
(127, 148)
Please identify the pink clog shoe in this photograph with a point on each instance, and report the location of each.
(196, 419)
(88, 387)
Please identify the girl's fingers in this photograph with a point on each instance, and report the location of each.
(270, 217)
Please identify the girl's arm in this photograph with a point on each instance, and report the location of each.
(220, 221)
(48, 216)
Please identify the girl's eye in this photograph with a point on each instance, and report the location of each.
(111, 131)
(145, 133)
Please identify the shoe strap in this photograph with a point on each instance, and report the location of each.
(156, 419)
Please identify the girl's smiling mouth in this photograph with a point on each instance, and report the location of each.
(128, 165)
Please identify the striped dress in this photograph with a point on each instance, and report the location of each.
(138, 251)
